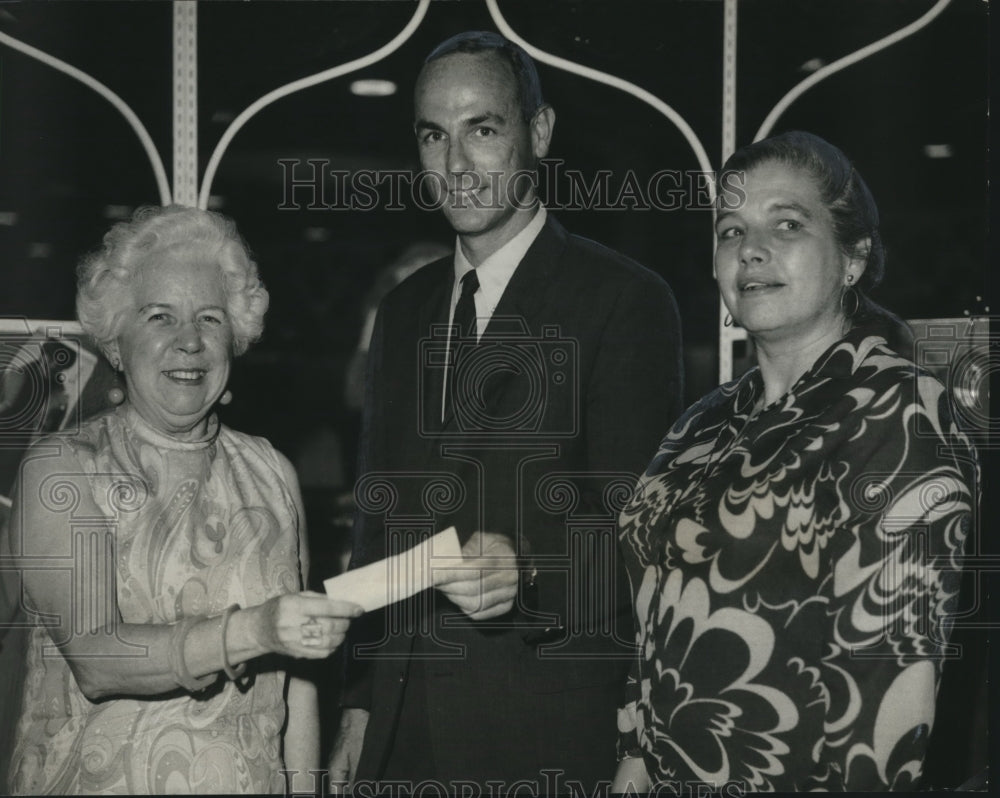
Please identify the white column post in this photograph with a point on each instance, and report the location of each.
(185, 82)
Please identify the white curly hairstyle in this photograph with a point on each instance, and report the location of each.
(104, 277)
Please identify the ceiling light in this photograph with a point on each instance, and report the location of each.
(372, 87)
(316, 234)
(117, 211)
(938, 150)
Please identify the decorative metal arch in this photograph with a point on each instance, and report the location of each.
(730, 335)
(185, 95)
(298, 85)
(140, 130)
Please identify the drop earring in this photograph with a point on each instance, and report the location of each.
(226, 398)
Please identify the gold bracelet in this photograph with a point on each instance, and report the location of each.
(175, 658)
(232, 673)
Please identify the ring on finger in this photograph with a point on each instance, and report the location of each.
(311, 631)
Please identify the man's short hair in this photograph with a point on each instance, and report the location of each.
(529, 88)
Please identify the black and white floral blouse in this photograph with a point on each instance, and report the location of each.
(793, 572)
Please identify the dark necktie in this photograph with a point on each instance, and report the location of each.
(465, 310)
(465, 321)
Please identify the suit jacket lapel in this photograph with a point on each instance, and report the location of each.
(432, 321)
(526, 293)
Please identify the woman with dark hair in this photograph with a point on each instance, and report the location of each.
(163, 553)
(853, 214)
(794, 545)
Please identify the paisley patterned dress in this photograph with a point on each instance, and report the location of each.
(793, 573)
(198, 525)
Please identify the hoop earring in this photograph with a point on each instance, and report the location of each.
(226, 398)
(728, 321)
(850, 290)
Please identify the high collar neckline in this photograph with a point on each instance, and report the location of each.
(166, 440)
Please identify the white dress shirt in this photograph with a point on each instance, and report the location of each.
(494, 273)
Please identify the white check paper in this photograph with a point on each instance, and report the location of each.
(398, 577)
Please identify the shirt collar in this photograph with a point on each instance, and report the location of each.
(495, 272)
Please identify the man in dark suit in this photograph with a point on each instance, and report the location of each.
(515, 391)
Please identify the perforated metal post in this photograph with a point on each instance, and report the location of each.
(728, 335)
(185, 102)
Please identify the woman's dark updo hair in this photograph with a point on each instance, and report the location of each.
(854, 212)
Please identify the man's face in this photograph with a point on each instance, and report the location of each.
(472, 134)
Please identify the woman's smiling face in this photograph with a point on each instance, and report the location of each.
(175, 343)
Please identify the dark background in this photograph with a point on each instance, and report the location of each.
(66, 155)
(70, 166)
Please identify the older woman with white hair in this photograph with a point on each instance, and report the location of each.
(163, 553)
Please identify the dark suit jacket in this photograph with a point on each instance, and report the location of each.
(575, 380)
